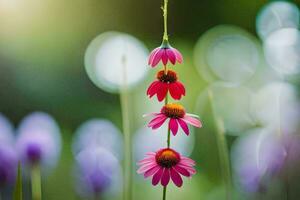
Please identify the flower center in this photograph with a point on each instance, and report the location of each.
(170, 77)
(173, 110)
(167, 158)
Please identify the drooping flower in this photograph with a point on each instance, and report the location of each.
(166, 164)
(166, 82)
(178, 117)
(39, 140)
(98, 172)
(164, 53)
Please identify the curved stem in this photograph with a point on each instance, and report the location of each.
(36, 183)
(165, 13)
(124, 100)
(223, 149)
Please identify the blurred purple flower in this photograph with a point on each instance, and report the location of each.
(98, 133)
(257, 158)
(8, 157)
(98, 172)
(39, 140)
(8, 165)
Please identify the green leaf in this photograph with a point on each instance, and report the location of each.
(18, 192)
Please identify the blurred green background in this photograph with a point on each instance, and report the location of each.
(42, 47)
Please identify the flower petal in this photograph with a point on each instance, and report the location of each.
(156, 126)
(152, 54)
(162, 92)
(174, 91)
(181, 87)
(156, 120)
(151, 171)
(176, 178)
(179, 57)
(165, 179)
(193, 121)
(182, 171)
(157, 57)
(171, 56)
(164, 57)
(173, 125)
(157, 176)
(145, 168)
(184, 126)
(153, 88)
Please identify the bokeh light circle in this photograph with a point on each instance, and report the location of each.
(114, 59)
(227, 53)
(276, 105)
(282, 50)
(6, 131)
(231, 104)
(275, 16)
(98, 133)
(146, 140)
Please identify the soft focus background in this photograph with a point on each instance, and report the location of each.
(42, 50)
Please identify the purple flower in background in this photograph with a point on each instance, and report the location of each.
(98, 133)
(258, 157)
(8, 165)
(8, 157)
(39, 140)
(98, 172)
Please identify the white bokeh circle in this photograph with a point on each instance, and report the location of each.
(115, 59)
(275, 16)
(282, 50)
(227, 53)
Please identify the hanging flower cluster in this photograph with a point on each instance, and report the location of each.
(167, 164)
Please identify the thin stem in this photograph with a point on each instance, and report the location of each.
(169, 131)
(124, 100)
(165, 193)
(36, 183)
(223, 149)
(165, 13)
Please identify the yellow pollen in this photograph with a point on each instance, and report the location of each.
(167, 158)
(173, 110)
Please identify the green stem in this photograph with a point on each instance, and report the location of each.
(223, 149)
(18, 191)
(124, 100)
(165, 13)
(36, 183)
(165, 193)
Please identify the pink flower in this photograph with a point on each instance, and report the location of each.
(166, 164)
(177, 115)
(164, 53)
(166, 82)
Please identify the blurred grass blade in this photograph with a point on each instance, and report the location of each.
(18, 187)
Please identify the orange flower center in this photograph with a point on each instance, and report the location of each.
(173, 110)
(169, 77)
(167, 158)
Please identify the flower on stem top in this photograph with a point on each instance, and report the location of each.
(177, 115)
(166, 82)
(39, 140)
(165, 53)
(166, 164)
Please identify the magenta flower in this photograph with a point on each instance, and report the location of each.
(166, 164)
(177, 115)
(164, 53)
(166, 82)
